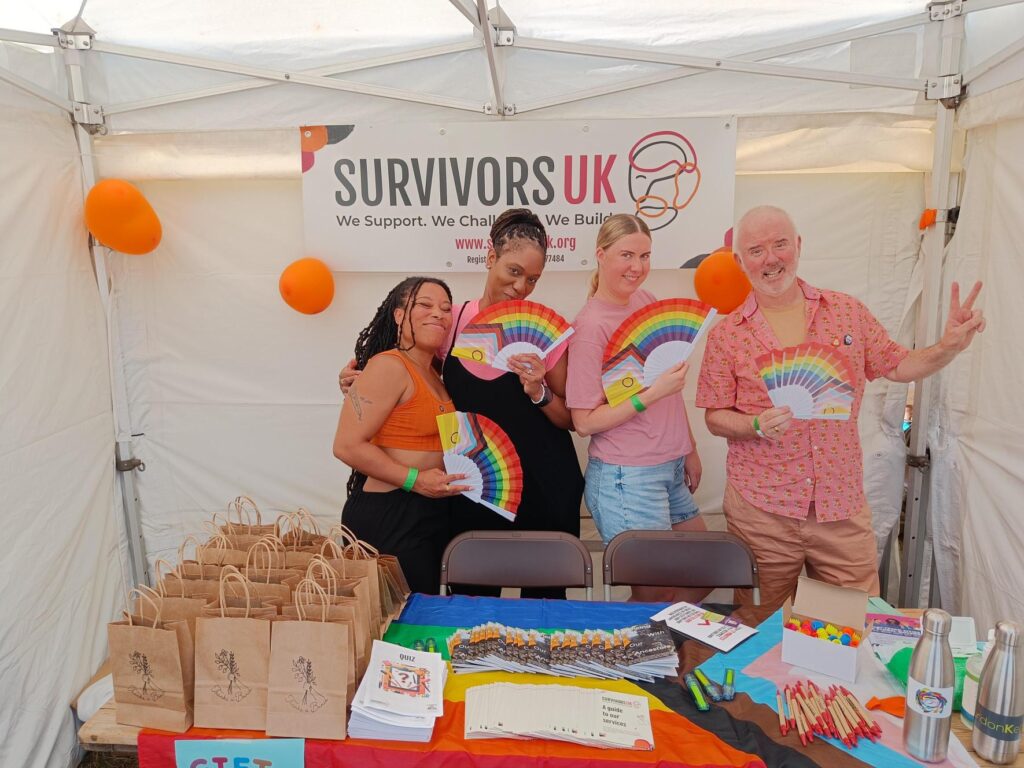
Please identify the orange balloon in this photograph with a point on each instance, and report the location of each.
(119, 216)
(720, 282)
(307, 286)
(313, 137)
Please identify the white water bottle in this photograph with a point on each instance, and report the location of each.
(931, 682)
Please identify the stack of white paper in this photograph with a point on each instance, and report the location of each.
(401, 695)
(640, 652)
(588, 716)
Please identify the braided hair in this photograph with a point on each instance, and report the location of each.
(515, 224)
(383, 334)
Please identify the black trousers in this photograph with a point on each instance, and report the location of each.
(411, 527)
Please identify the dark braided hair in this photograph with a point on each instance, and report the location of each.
(515, 224)
(383, 334)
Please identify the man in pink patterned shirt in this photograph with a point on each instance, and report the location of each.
(795, 487)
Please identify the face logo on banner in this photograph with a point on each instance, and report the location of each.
(663, 176)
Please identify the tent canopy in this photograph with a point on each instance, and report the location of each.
(188, 360)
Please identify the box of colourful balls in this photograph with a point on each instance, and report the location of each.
(823, 627)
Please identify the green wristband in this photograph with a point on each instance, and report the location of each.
(410, 479)
(757, 428)
(637, 405)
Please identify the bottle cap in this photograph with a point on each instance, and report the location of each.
(936, 621)
(1008, 633)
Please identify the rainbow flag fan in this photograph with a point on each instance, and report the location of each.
(813, 379)
(649, 342)
(478, 448)
(511, 328)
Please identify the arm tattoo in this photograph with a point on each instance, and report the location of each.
(357, 402)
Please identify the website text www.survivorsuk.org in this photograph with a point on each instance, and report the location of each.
(557, 246)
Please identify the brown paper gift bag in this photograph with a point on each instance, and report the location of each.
(219, 550)
(232, 665)
(308, 675)
(339, 610)
(170, 607)
(388, 565)
(365, 567)
(300, 529)
(238, 600)
(152, 666)
(248, 519)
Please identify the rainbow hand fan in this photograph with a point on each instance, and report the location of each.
(649, 342)
(813, 379)
(511, 328)
(477, 447)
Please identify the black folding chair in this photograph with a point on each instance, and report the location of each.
(680, 559)
(517, 559)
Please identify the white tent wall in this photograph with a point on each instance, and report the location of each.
(977, 476)
(60, 564)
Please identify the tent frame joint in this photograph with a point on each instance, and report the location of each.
(78, 41)
(89, 116)
(940, 11)
(129, 465)
(919, 462)
(946, 89)
(503, 29)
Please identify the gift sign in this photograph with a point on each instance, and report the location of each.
(240, 753)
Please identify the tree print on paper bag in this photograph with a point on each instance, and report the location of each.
(311, 699)
(235, 689)
(149, 691)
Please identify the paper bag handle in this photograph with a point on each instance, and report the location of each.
(197, 550)
(160, 591)
(319, 564)
(230, 573)
(156, 607)
(302, 590)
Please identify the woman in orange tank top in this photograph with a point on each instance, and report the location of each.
(399, 491)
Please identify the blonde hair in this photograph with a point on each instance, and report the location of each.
(613, 229)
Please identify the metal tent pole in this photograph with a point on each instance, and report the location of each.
(73, 38)
(945, 87)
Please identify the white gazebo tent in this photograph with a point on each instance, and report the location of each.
(855, 117)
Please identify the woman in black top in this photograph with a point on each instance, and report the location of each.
(528, 402)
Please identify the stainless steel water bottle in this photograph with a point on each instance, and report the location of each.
(999, 712)
(930, 685)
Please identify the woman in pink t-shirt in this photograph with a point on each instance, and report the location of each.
(643, 466)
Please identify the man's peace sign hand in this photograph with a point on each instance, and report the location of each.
(964, 321)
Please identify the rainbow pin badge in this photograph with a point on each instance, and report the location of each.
(649, 342)
(481, 450)
(813, 379)
(511, 328)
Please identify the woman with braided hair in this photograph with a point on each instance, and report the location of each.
(399, 493)
(528, 402)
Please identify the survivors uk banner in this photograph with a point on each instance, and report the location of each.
(409, 198)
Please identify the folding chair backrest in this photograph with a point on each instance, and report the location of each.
(680, 559)
(517, 559)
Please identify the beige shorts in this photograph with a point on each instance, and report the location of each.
(841, 552)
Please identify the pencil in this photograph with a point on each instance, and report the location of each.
(783, 726)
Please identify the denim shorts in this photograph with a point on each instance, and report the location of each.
(623, 498)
